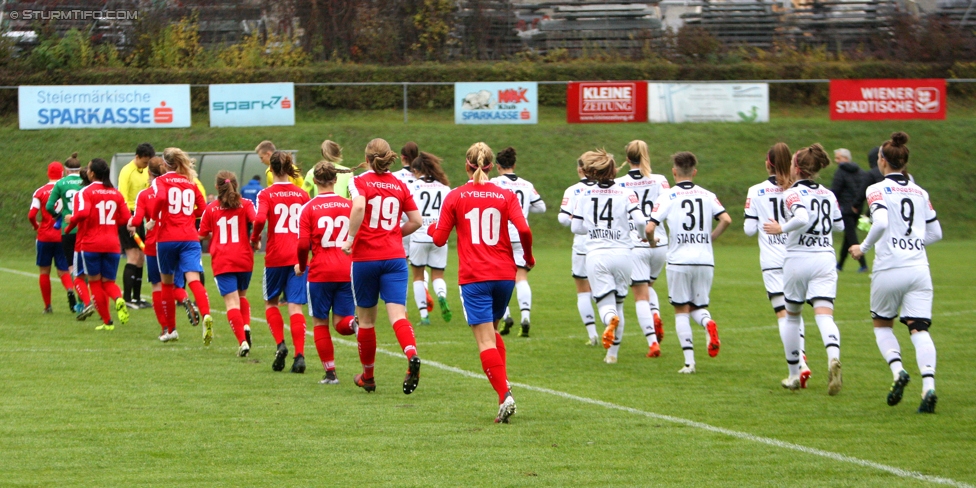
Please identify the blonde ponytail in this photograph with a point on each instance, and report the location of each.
(637, 154)
(478, 160)
(180, 162)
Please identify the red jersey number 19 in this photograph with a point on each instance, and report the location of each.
(287, 218)
(389, 207)
(106, 212)
(229, 227)
(339, 226)
(485, 226)
(181, 201)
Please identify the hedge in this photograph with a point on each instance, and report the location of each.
(442, 96)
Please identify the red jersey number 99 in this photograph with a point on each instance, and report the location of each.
(181, 201)
(384, 212)
(485, 226)
(287, 218)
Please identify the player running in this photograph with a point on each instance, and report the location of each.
(59, 205)
(99, 211)
(280, 206)
(225, 222)
(49, 241)
(480, 211)
(584, 296)
(689, 210)
(177, 203)
(530, 201)
(408, 153)
(604, 213)
(379, 266)
(812, 215)
(429, 190)
(322, 228)
(904, 223)
(648, 261)
(764, 202)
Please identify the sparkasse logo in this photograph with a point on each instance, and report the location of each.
(270, 103)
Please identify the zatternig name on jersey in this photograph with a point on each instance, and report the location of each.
(692, 238)
(606, 234)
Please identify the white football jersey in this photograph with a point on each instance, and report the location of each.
(647, 189)
(429, 196)
(605, 211)
(909, 210)
(405, 175)
(821, 204)
(567, 207)
(764, 202)
(688, 210)
(525, 194)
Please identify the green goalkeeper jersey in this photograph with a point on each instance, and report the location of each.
(61, 202)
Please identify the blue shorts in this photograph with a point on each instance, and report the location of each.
(79, 267)
(372, 280)
(228, 283)
(105, 264)
(179, 256)
(152, 271)
(282, 279)
(51, 251)
(337, 297)
(485, 302)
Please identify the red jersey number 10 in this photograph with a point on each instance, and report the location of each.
(287, 218)
(485, 226)
(389, 207)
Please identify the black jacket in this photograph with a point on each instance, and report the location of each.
(847, 184)
(870, 178)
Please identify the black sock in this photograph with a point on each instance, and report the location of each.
(137, 283)
(127, 282)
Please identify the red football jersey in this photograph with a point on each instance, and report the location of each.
(322, 228)
(280, 206)
(176, 204)
(45, 231)
(99, 212)
(143, 199)
(230, 249)
(387, 199)
(481, 214)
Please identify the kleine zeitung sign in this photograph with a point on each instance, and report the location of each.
(609, 101)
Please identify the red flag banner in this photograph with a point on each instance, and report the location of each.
(606, 101)
(888, 99)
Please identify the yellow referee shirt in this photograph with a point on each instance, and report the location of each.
(296, 180)
(132, 180)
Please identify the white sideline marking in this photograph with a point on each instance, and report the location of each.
(19, 272)
(902, 473)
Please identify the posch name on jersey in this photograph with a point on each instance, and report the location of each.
(814, 241)
(606, 234)
(482, 194)
(693, 238)
(908, 244)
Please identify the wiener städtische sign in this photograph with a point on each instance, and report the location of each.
(252, 104)
(501, 102)
(606, 101)
(707, 102)
(888, 99)
(104, 106)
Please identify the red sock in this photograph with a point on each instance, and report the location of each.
(45, 281)
(500, 345)
(246, 311)
(323, 344)
(66, 281)
(236, 324)
(297, 322)
(111, 290)
(179, 294)
(367, 350)
(101, 300)
(494, 368)
(200, 295)
(404, 335)
(169, 306)
(344, 325)
(81, 288)
(276, 324)
(159, 308)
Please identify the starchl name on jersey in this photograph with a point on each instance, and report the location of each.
(482, 194)
(692, 238)
(612, 234)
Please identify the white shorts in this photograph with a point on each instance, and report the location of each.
(689, 284)
(517, 254)
(809, 276)
(773, 279)
(609, 273)
(908, 289)
(648, 263)
(427, 254)
(406, 246)
(579, 266)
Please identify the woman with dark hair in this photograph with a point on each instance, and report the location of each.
(429, 190)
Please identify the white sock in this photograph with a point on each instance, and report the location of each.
(584, 304)
(653, 300)
(701, 316)
(803, 341)
(524, 294)
(683, 327)
(507, 314)
(925, 355)
(440, 287)
(420, 296)
(607, 307)
(890, 350)
(646, 320)
(830, 335)
(426, 278)
(789, 333)
(619, 333)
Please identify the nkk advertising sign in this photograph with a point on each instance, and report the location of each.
(888, 99)
(496, 103)
(609, 101)
(252, 104)
(104, 106)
